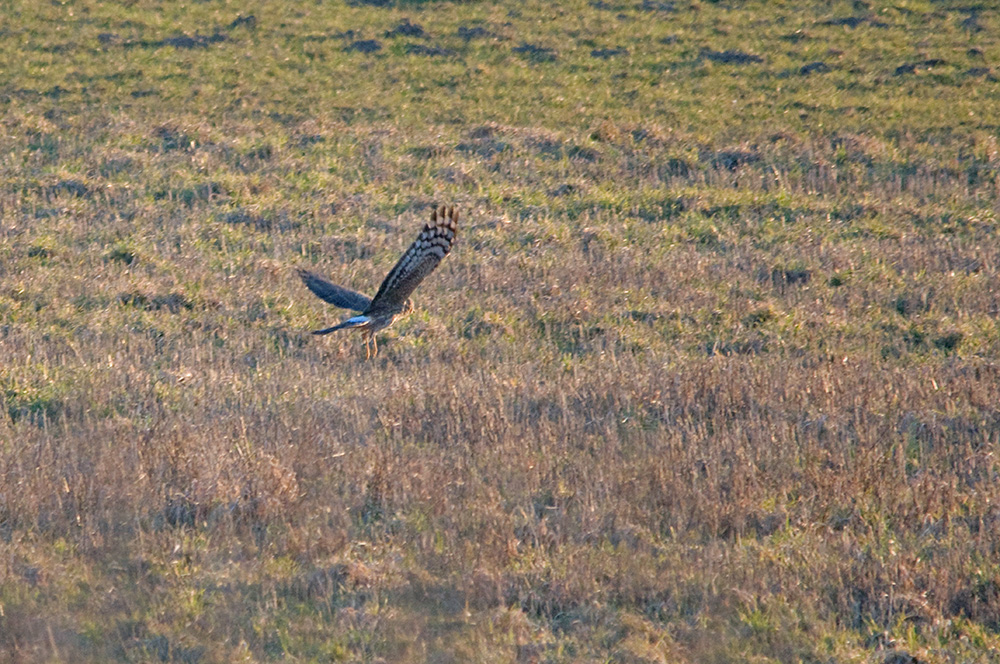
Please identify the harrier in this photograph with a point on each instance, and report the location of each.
(392, 300)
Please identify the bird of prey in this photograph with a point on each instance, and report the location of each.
(392, 300)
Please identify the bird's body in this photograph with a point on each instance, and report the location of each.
(369, 324)
(392, 299)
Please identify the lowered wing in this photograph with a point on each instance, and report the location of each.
(338, 296)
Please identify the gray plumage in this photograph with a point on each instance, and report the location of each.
(338, 296)
(392, 299)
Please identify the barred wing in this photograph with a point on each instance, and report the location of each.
(335, 295)
(429, 249)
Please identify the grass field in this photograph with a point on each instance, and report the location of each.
(710, 376)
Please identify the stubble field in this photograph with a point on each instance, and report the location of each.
(710, 376)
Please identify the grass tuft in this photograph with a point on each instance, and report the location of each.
(710, 375)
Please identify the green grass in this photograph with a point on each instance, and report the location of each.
(710, 375)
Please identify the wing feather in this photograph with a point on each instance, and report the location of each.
(427, 251)
(335, 295)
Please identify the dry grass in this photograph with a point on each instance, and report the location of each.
(699, 383)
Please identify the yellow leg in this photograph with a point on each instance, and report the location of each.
(375, 344)
(368, 348)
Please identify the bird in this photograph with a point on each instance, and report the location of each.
(392, 301)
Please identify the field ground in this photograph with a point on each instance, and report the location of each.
(711, 375)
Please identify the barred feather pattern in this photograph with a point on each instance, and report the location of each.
(392, 299)
(426, 253)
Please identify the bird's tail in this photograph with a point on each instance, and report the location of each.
(356, 321)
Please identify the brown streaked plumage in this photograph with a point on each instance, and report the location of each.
(392, 299)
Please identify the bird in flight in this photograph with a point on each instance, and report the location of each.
(392, 300)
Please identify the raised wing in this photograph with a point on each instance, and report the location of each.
(335, 295)
(430, 247)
